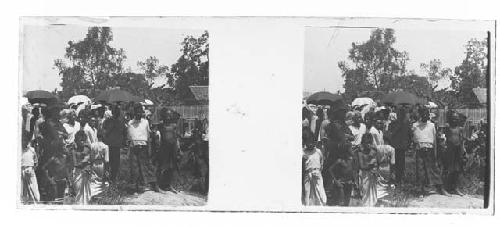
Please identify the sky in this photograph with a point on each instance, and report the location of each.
(325, 47)
(43, 44)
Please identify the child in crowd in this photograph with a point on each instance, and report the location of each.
(368, 168)
(342, 173)
(29, 162)
(314, 192)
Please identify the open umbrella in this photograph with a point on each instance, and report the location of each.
(79, 99)
(363, 101)
(401, 98)
(431, 105)
(147, 102)
(117, 95)
(41, 96)
(324, 98)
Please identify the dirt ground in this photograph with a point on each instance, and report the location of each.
(407, 195)
(165, 198)
(122, 193)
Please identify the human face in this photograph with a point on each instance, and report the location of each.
(425, 116)
(379, 125)
(356, 120)
(93, 122)
(80, 141)
(138, 116)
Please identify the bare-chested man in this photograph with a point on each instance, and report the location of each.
(452, 158)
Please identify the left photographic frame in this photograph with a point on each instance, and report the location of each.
(112, 115)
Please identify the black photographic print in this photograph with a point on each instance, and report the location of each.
(397, 117)
(113, 115)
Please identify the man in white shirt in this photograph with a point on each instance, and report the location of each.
(141, 168)
(72, 126)
(424, 136)
(357, 128)
(91, 130)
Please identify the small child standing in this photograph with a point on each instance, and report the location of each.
(368, 168)
(314, 192)
(29, 162)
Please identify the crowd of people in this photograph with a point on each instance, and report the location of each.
(73, 151)
(346, 148)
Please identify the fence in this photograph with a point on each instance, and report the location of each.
(473, 115)
(191, 112)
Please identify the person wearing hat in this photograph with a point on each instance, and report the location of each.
(141, 168)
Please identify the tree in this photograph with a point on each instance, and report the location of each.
(152, 69)
(415, 84)
(471, 73)
(91, 63)
(376, 64)
(191, 67)
(435, 72)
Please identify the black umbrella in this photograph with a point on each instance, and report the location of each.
(324, 98)
(117, 95)
(41, 96)
(401, 98)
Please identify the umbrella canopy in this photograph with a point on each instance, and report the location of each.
(401, 98)
(147, 102)
(324, 98)
(117, 95)
(41, 96)
(431, 105)
(363, 101)
(79, 99)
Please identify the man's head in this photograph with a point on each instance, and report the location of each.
(80, 138)
(307, 139)
(36, 112)
(319, 112)
(357, 119)
(379, 124)
(83, 119)
(93, 122)
(71, 117)
(116, 111)
(349, 118)
(424, 115)
(453, 119)
(138, 112)
(100, 111)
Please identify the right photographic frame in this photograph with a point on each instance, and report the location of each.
(398, 117)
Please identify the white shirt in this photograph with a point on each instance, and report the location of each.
(313, 160)
(91, 134)
(100, 150)
(71, 130)
(138, 131)
(358, 133)
(424, 132)
(378, 136)
(313, 123)
(28, 158)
